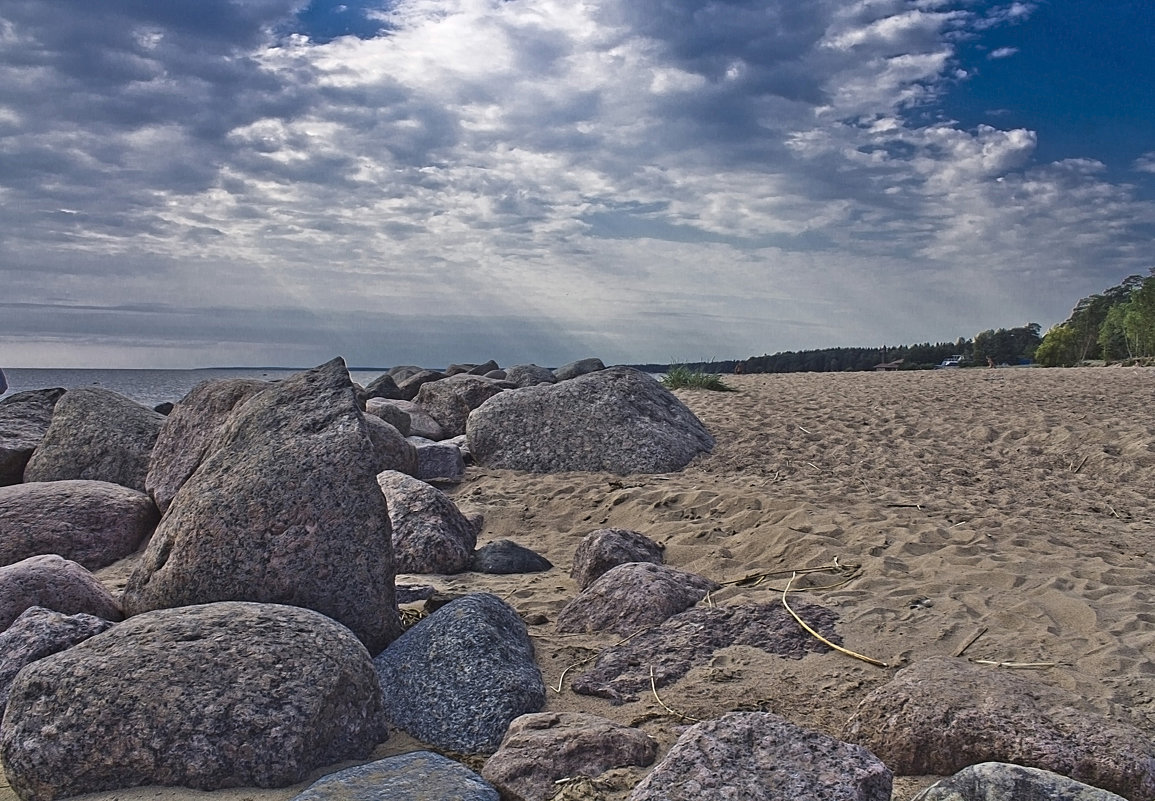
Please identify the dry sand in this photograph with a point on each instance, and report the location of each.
(1016, 502)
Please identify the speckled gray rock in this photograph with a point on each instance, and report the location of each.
(692, 637)
(410, 385)
(54, 583)
(760, 755)
(188, 431)
(284, 508)
(459, 677)
(420, 423)
(416, 776)
(999, 781)
(221, 695)
(438, 461)
(96, 434)
(633, 596)
(942, 714)
(24, 420)
(610, 547)
(576, 744)
(503, 557)
(472, 369)
(579, 368)
(618, 420)
(37, 633)
(90, 522)
(430, 535)
(383, 386)
(528, 375)
(393, 451)
(391, 413)
(449, 402)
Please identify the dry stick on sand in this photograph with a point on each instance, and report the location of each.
(658, 698)
(971, 641)
(818, 636)
(1016, 665)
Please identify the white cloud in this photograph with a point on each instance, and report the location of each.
(1145, 163)
(1002, 52)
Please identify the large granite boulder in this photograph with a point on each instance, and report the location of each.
(420, 423)
(760, 755)
(383, 386)
(284, 508)
(449, 402)
(392, 450)
(607, 548)
(53, 583)
(942, 714)
(90, 522)
(391, 413)
(96, 434)
(579, 368)
(38, 633)
(411, 384)
(999, 781)
(416, 776)
(459, 677)
(618, 420)
(24, 420)
(577, 744)
(220, 695)
(438, 461)
(528, 375)
(188, 431)
(430, 534)
(632, 597)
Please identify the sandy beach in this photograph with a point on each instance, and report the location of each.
(1012, 504)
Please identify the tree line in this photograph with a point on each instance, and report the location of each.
(1115, 325)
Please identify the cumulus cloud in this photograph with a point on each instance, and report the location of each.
(608, 177)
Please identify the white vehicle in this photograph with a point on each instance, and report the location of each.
(951, 361)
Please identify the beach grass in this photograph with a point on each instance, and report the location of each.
(681, 376)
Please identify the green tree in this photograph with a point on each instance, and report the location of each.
(1059, 348)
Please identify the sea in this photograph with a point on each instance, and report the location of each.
(150, 387)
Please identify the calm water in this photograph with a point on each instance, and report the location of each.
(148, 387)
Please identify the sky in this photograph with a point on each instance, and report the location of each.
(195, 183)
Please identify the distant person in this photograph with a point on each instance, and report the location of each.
(738, 368)
(990, 362)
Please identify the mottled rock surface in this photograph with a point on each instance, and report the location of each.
(528, 375)
(38, 633)
(220, 695)
(942, 714)
(691, 638)
(420, 423)
(449, 402)
(416, 776)
(391, 413)
(392, 451)
(96, 434)
(411, 384)
(54, 583)
(24, 420)
(284, 508)
(576, 744)
(503, 557)
(579, 368)
(430, 535)
(90, 522)
(999, 781)
(758, 755)
(609, 547)
(459, 677)
(438, 461)
(188, 431)
(633, 596)
(383, 386)
(618, 420)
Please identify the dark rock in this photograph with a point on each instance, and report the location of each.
(633, 596)
(284, 508)
(528, 375)
(609, 547)
(90, 522)
(220, 695)
(430, 535)
(188, 431)
(449, 402)
(391, 413)
(459, 677)
(24, 420)
(942, 714)
(392, 450)
(471, 369)
(579, 368)
(617, 420)
(690, 638)
(410, 386)
(164, 408)
(998, 781)
(577, 745)
(411, 593)
(503, 557)
(760, 755)
(96, 434)
(37, 633)
(54, 583)
(416, 776)
(496, 375)
(404, 371)
(384, 386)
(438, 461)
(420, 423)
